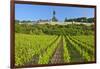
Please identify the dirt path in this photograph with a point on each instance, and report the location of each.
(34, 61)
(58, 55)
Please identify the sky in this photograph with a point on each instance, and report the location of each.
(36, 12)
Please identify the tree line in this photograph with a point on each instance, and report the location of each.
(81, 19)
(54, 19)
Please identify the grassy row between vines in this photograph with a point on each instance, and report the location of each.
(75, 50)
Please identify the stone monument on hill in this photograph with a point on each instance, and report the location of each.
(54, 19)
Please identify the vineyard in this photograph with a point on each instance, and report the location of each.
(53, 35)
(53, 49)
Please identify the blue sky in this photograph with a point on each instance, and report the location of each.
(36, 12)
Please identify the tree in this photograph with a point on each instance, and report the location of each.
(17, 21)
(90, 20)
